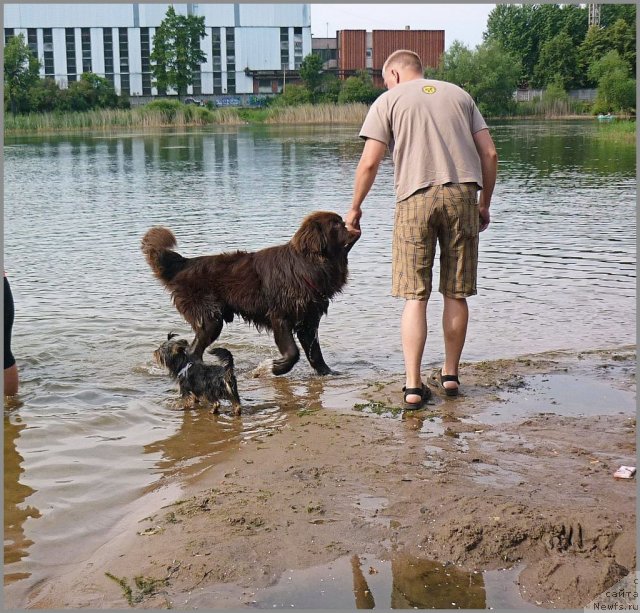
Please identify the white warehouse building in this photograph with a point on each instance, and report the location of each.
(249, 48)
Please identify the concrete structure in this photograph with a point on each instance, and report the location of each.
(249, 48)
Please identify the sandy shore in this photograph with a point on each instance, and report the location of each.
(516, 473)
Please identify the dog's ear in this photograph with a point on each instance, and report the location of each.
(179, 347)
(310, 238)
(171, 335)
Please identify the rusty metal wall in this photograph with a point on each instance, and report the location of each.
(352, 50)
(428, 44)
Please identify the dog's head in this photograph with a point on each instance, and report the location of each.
(324, 234)
(172, 354)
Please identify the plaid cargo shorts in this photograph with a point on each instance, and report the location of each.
(446, 214)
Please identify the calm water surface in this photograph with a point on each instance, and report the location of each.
(94, 427)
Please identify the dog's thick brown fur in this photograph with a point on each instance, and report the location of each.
(285, 289)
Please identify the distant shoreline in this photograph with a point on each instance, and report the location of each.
(183, 116)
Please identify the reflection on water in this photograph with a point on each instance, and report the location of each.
(15, 493)
(364, 582)
(96, 425)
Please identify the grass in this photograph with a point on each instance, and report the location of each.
(146, 586)
(148, 116)
(169, 113)
(619, 131)
(551, 109)
(325, 114)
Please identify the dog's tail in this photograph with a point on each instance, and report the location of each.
(230, 382)
(157, 246)
(225, 357)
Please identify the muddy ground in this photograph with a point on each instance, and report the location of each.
(514, 473)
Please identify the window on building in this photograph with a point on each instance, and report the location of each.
(231, 61)
(216, 60)
(216, 51)
(284, 48)
(70, 41)
(8, 35)
(369, 52)
(107, 35)
(145, 52)
(47, 48)
(85, 34)
(123, 39)
(32, 40)
(297, 47)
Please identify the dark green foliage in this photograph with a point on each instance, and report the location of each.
(553, 39)
(176, 54)
(359, 88)
(311, 73)
(21, 71)
(489, 74)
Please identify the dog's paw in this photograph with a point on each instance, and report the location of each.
(325, 370)
(282, 367)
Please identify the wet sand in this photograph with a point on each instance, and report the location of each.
(355, 500)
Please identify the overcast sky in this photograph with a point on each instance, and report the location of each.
(464, 22)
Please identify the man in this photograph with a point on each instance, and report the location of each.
(443, 154)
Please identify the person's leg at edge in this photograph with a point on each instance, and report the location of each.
(11, 381)
(455, 318)
(413, 331)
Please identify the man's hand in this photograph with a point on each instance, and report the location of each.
(352, 221)
(485, 217)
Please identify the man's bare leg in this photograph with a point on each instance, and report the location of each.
(413, 330)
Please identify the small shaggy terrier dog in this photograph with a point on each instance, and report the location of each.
(200, 382)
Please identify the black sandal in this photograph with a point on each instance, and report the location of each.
(439, 380)
(424, 392)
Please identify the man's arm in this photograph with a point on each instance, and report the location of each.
(489, 163)
(366, 172)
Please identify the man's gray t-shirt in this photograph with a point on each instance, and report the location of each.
(429, 127)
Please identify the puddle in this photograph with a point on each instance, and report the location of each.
(371, 507)
(404, 582)
(566, 395)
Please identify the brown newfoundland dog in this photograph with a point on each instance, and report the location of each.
(285, 289)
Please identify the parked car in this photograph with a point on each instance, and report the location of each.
(193, 101)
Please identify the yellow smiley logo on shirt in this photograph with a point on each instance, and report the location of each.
(429, 89)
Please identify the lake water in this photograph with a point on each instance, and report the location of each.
(94, 426)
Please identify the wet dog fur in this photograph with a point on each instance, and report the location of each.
(200, 382)
(285, 289)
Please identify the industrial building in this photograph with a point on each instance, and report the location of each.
(355, 50)
(249, 48)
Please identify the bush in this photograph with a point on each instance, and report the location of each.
(294, 95)
(359, 88)
(169, 108)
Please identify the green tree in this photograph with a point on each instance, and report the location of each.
(558, 59)
(457, 66)
(294, 95)
(523, 30)
(43, 95)
(176, 54)
(311, 73)
(616, 89)
(497, 78)
(330, 87)
(489, 74)
(21, 71)
(600, 41)
(359, 88)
